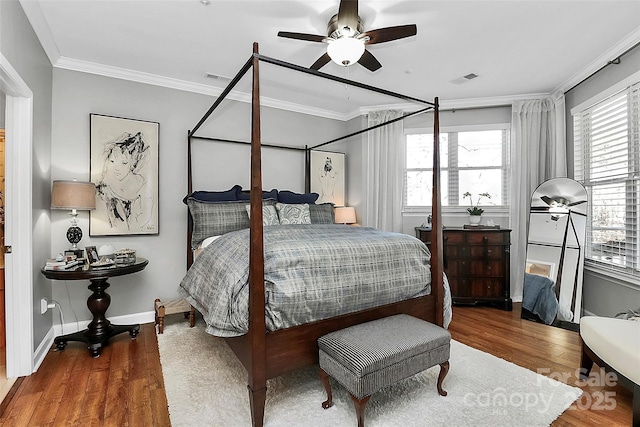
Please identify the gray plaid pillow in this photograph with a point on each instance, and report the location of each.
(217, 218)
(322, 213)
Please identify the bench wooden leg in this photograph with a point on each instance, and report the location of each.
(192, 317)
(444, 370)
(160, 317)
(324, 377)
(360, 405)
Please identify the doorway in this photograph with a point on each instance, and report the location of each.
(18, 265)
(5, 384)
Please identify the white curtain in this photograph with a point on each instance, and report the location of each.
(538, 153)
(384, 178)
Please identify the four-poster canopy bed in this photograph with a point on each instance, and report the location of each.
(270, 353)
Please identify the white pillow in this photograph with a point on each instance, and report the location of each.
(293, 214)
(206, 242)
(269, 214)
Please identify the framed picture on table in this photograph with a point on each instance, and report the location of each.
(92, 254)
(328, 176)
(124, 168)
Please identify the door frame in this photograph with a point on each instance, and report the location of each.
(18, 221)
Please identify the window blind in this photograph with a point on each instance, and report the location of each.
(607, 163)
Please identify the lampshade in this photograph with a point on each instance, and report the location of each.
(346, 50)
(73, 195)
(345, 215)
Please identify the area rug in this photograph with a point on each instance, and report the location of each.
(206, 386)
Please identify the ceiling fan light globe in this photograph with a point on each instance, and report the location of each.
(345, 50)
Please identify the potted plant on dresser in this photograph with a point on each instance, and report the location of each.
(475, 211)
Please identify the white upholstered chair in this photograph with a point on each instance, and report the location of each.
(613, 344)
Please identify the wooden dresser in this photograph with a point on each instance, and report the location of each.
(476, 262)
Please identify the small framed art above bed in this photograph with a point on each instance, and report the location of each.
(276, 273)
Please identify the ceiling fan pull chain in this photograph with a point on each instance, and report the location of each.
(346, 86)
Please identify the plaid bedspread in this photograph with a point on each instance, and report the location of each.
(312, 272)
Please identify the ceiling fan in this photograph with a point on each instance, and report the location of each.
(556, 204)
(346, 38)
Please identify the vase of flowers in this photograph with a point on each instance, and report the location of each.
(475, 211)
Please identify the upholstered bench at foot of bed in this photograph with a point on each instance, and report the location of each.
(164, 308)
(368, 357)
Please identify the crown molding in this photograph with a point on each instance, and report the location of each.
(171, 83)
(601, 61)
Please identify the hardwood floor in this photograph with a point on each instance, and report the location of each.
(124, 387)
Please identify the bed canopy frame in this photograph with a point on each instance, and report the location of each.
(265, 354)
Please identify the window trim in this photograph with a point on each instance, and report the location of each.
(623, 273)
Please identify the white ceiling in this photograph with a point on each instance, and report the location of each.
(519, 49)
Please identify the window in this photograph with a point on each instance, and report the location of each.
(472, 159)
(607, 162)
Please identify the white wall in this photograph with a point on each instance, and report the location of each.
(217, 166)
(19, 44)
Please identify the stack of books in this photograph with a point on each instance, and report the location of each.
(67, 263)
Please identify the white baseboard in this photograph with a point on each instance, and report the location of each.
(43, 349)
(127, 319)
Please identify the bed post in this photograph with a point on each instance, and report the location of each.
(257, 381)
(189, 191)
(307, 169)
(437, 264)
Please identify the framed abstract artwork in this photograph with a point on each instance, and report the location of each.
(328, 176)
(124, 168)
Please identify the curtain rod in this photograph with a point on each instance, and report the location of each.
(614, 61)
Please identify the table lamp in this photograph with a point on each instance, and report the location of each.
(73, 195)
(345, 215)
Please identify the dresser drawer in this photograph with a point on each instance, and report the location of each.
(491, 268)
(453, 238)
(487, 288)
(488, 252)
(492, 238)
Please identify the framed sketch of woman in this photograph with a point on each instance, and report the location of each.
(327, 176)
(124, 168)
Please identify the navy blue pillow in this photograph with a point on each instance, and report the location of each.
(215, 196)
(286, 196)
(273, 194)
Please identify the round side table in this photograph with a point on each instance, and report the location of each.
(100, 329)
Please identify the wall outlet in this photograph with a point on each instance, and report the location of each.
(45, 305)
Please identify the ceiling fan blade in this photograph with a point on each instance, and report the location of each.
(348, 14)
(368, 61)
(577, 203)
(546, 199)
(321, 62)
(388, 34)
(301, 36)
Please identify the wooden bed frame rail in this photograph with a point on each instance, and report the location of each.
(265, 354)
